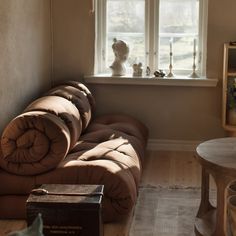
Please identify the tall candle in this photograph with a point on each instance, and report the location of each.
(171, 46)
(194, 46)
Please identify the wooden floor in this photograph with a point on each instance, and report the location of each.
(161, 168)
(171, 169)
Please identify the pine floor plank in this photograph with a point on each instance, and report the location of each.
(7, 226)
(170, 169)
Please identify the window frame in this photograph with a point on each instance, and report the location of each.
(151, 41)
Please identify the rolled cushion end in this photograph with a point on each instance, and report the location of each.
(34, 142)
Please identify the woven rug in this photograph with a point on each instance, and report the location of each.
(165, 211)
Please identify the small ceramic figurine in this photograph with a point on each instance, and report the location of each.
(137, 69)
(121, 52)
(148, 71)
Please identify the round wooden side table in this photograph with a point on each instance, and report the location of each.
(217, 158)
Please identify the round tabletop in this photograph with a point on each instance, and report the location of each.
(219, 153)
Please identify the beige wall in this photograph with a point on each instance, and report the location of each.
(73, 38)
(169, 112)
(25, 61)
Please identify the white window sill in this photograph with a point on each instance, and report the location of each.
(145, 80)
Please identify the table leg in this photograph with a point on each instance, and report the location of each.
(205, 204)
(221, 183)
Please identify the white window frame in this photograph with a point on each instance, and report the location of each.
(151, 42)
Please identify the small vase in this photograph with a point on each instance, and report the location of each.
(232, 117)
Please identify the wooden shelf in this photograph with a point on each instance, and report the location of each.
(230, 127)
(233, 73)
(229, 72)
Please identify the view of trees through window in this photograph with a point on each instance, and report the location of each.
(178, 20)
(126, 21)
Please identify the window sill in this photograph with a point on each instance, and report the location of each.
(145, 80)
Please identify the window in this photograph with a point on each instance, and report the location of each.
(150, 28)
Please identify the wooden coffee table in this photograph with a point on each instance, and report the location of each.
(217, 158)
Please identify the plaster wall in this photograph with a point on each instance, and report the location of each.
(25, 62)
(182, 113)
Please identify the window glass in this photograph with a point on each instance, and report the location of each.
(126, 21)
(148, 27)
(178, 22)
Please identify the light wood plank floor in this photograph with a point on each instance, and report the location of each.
(161, 168)
(170, 169)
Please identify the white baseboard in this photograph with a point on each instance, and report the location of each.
(172, 145)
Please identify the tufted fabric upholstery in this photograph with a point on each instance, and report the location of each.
(83, 101)
(108, 150)
(33, 143)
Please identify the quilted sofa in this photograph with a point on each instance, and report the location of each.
(57, 140)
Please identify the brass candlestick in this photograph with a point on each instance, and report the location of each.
(194, 74)
(170, 74)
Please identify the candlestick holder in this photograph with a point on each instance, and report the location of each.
(170, 74)
(194, 74)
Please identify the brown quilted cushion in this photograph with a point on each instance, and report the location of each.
(64, 110)
(109, 153)
(78, 98)
(56, 142)
(33, 143)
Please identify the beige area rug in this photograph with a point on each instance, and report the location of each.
(165, 211)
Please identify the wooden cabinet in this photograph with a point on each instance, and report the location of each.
(229, 89)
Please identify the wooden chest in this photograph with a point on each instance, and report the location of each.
(67, 209)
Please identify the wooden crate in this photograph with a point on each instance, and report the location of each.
(68, 209)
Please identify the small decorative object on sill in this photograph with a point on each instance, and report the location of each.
(121, 52)
(170, 74)
(194, 74)
(137, 69)
(148, 71)
(159, 73)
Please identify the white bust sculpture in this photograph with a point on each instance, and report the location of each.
(121, 52)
